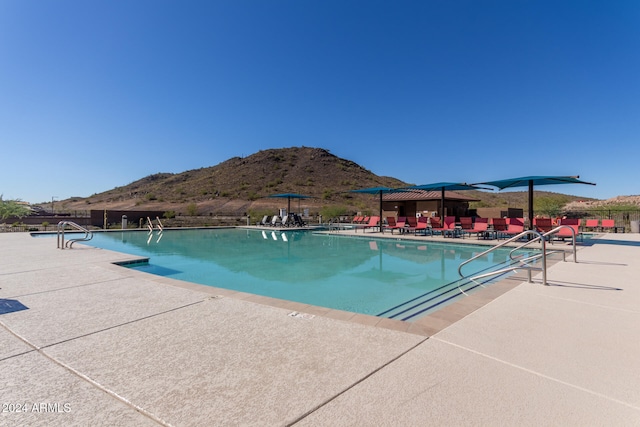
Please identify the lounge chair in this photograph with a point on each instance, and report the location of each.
(391, 223)
(400, 225)
(608, 225)
(449, 226)
(435, 227)
(275, 220)
(285, 221)
(499, 227)
(591, 225)
(412, 223)
(564, 232)
(466, 223)
(264, 221)
(515, 226)
(543, 225)
(479, 227)
(374, 222)
(422, 226)
(297, 220)
(356, 219)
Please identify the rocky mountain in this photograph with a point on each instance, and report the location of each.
(240, 184)
(243, 184)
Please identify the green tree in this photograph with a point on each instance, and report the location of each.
(329, 212)
(11, 208)
(551, 206)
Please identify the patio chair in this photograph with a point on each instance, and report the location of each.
(479, 227)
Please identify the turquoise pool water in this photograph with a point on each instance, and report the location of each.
(362, 275)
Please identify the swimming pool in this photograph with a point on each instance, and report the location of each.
(362, 275)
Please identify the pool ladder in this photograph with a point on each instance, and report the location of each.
(525, 263)
(88, 235)
(150, 224)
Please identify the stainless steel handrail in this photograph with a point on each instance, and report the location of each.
(524, 261)
(551, 233)
(504, 270)
(88, 235)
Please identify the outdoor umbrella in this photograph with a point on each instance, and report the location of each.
(289, 196)
(442, 186)
(380, 191)
(530, 181)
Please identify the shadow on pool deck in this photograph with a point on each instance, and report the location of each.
(11, 306)
(102, 345)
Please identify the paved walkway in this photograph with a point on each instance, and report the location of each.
(84, 342)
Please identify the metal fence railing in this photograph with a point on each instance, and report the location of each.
(622, 218)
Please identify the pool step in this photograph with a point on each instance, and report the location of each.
(435, 299)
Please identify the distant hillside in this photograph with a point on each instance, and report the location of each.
(519, 199)
(242, 184)
(629, 202)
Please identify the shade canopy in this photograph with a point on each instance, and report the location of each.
(451, 186)
(289, 196)
(525, 181)
(530, 182)
(443, 186)
(380, 191)
(375, 190)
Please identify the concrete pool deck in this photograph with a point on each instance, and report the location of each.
(85, 342)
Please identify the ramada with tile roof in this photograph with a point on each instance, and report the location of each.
(410, 203)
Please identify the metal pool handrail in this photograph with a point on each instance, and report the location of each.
(525, 261)
(88, 235)
(547, 234)
(526, 266)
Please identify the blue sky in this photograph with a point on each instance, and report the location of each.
(99, 94)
